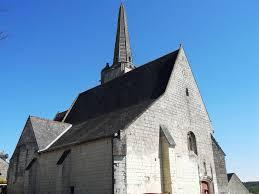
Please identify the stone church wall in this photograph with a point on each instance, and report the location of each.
(87, 168)
(31, 179)
(119, 169)
(220, 166)
(180, 114)
(235, 186)
(23, 154)
(111, 73)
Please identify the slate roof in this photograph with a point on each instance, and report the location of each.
(143, 83)
(3, 155)
(102, 126)
(60, 115)
(217, 144)
(46, 131)
(2, 161)
(110, 107)
(230, 176)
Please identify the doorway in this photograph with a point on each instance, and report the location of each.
(205, 187)
(72, 190)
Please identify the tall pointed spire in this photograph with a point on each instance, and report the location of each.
(122, 60)
(122, 52)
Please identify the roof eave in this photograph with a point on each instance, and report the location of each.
(50, 149)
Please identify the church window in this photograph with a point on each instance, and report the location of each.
(205, 168)
(129, 59)
(192, 146)
(187, 92)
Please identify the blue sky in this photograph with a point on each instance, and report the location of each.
(57, 48)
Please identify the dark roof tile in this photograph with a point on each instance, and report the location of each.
(143, 83)
(60, 116)
(106, 109)
(102, 126)
(230, 176)
(46, 131)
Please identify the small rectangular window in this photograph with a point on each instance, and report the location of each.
(187, 92)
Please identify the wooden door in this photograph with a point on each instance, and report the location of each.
(205, 188)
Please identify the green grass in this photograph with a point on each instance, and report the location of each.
(253, 187)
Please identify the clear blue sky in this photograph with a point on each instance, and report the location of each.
(57, 48)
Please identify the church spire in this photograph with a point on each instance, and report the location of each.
(122, 60)
(122, 51)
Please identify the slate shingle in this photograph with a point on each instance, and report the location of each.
(46, 131)
(143, 83)
(102, 126)
(110, 107)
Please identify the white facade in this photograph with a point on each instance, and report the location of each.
(87, 168)
(181, 114)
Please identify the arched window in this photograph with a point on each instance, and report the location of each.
(192, 146)
(205, 168)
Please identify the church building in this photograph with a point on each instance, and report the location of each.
(142, 130)
(3, 171)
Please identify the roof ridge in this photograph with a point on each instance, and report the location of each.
(114, 111)
(107, 131)
(45, 133)
(229, 176)
(217, 144)
(148, 81)
(130, 72)
(45, 119)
